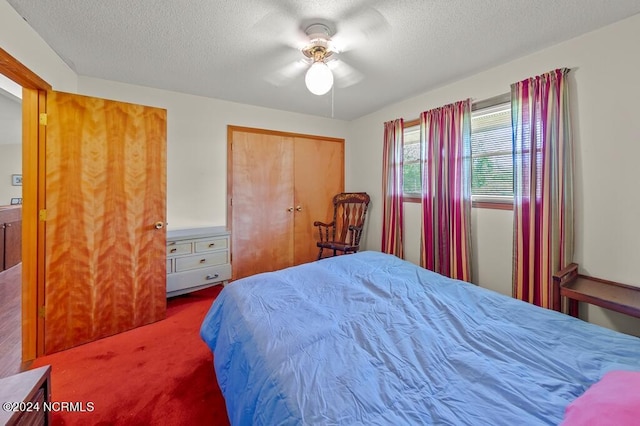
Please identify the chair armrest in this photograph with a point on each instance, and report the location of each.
(566, 275)
(316, 223)
(324, 236)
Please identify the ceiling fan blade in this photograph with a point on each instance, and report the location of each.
(286, 74)
(282, 28)
(345, 75)
(359, 26)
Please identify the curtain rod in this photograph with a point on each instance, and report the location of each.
(495, 100)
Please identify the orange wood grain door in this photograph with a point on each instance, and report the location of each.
(105, 186)
(280, 183)
(262, 201)
(319, 175)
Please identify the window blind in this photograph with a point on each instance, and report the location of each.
(491, 153)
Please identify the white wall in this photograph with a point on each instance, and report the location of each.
(10, 146)
(197, 143)
(605, 112)
(23, 43)
(10, 164)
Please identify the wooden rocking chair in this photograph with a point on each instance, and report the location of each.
(344, 232)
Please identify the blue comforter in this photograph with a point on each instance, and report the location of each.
(369, 339)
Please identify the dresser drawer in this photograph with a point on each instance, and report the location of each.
(178, 248)
(197, 258)
(202, 261)
(212, 244)
(184, 280)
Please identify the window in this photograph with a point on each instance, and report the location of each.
(491, 153)
(412, 176)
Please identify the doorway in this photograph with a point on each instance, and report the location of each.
(10, 229)
(140, 184)
(33, 95)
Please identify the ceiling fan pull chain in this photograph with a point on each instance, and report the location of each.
(332, 92)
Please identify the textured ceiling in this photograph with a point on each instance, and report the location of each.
(237, 50)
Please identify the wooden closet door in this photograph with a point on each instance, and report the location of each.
(105, 189)
(319, 175)
(262, 201)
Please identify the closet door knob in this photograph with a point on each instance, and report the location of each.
(299, 208)
(290, 209)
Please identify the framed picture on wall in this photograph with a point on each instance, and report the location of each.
(16, 180)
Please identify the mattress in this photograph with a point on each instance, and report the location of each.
(369, 339)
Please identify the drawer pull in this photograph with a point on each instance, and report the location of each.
(212, 245)
(173, 250)
(212, 276)
(203, 260)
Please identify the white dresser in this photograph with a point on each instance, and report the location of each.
(197, 258)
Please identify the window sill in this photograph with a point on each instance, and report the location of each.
(495, 205)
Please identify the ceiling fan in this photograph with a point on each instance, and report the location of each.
(319, 78)
(320, 45)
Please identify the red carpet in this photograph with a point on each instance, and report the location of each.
(159, 374)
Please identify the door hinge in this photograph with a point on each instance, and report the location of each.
(41, 311)
(231, 201)
(42, 215)
(43, 118)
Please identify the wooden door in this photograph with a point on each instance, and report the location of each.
(279, 184)
(261, 172)
(319, 175)
(105, 189)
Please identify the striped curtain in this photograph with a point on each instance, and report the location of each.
(392, 190)
(543, 185)
(445, 151)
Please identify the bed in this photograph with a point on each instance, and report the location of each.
(369, 339)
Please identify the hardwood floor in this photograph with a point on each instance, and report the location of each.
(10, 321)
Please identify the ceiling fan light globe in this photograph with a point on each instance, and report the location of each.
(319, 78)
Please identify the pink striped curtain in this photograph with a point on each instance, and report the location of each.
(392, 190)
(445, 140)
(543, 185)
